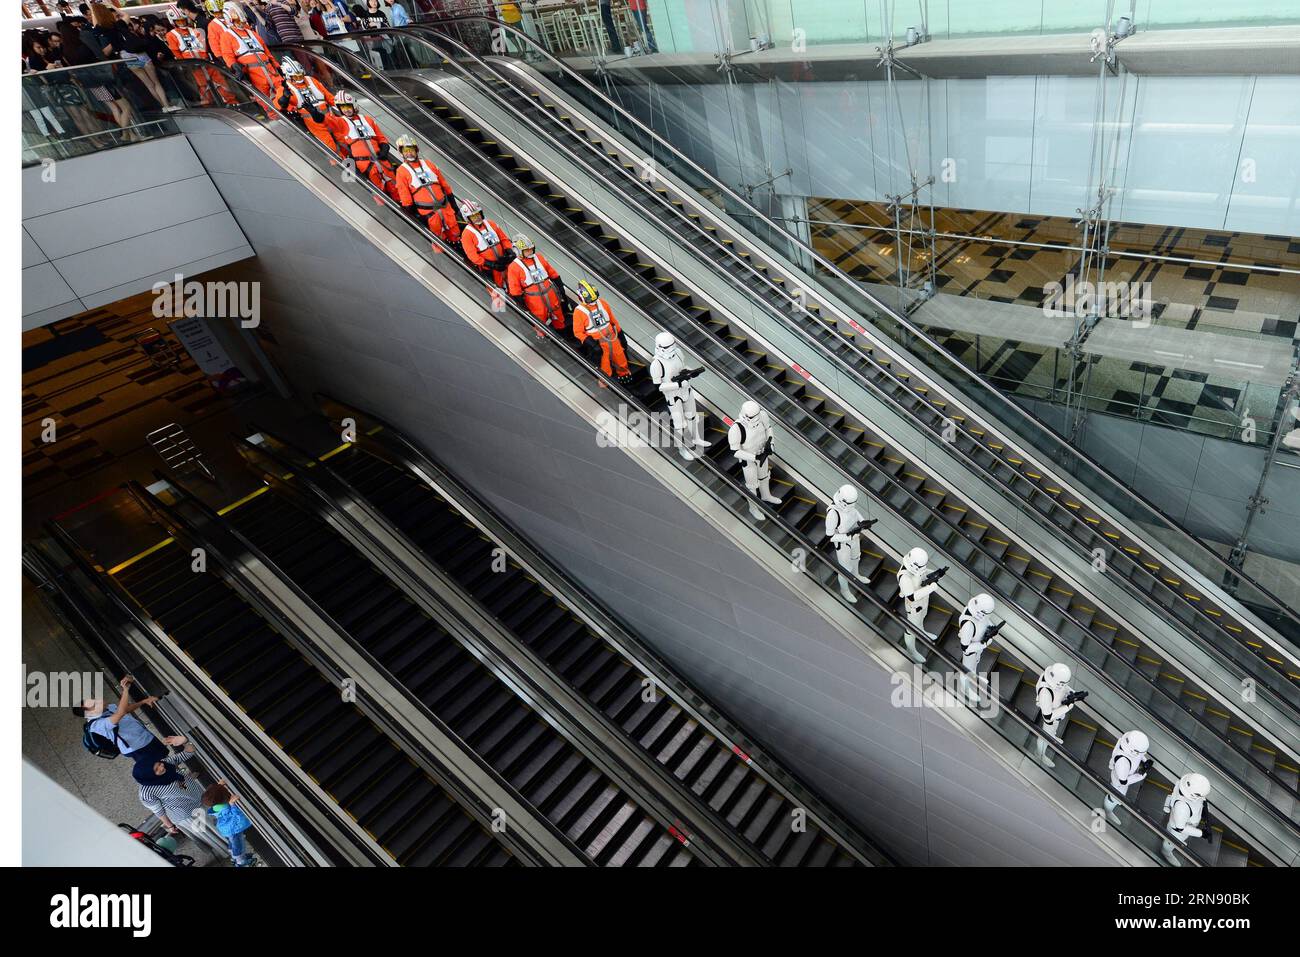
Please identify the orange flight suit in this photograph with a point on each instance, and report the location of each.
(534, 280)
(360, 137)
(421, 185)
(486, 245)
(240, 45)
(187, 43)
(294, 99)
(596, 321)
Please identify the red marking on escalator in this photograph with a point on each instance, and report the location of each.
(729, 420)
(681, 837)
(90, 501)
(801, 370)
(854, 324)
(742, 755)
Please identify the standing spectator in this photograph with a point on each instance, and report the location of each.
(398, 15)
(374, 18)
(611, 30)
(38, 97)
(259, 21)
(118, 723)
(118, 41)
(282, 15)
(97, 90)
(175, 799)
(302, 16)
(231, 822)
(642, 20)
(315, 16)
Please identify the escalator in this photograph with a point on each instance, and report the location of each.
(978, 450)
(1075, 773)
(555, 776)
(1064, 610)
(721, 776)
(408, 813)
(1204, 590)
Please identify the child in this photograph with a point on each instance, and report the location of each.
(231, 822)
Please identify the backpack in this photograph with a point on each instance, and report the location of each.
(98, 745)
(230, 820)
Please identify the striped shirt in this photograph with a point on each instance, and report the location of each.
(179, 799)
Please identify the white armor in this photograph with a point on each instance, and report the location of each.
(688, 424)
(1052, 690)
(1126, 768)
(916, 597)
(971, 628)
(840, 517)
(748, 437)
(1185, 808)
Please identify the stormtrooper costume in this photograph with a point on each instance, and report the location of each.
(1055, 700)
(1126, 769)
(971, 629)
(1185, 808)
(748, 436)
(688, 424)
(842, 516)
(916, 597)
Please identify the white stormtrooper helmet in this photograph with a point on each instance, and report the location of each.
(1056, 676)
(1194, 787)
(750, 410)
(980, 607)
(1133, 745)
(665, 345)
(916, 560)
(846, 495)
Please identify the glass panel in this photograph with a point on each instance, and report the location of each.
(79, 110)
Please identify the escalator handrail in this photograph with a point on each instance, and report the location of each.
(614, 389)
(1025, 613)
(464, 794)
(1000, 400)
(152, 631)
(35, 563)
(421, 466)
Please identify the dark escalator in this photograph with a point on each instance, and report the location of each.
(477, 705)
(712, 771)
(1068, 613)
(402, 807)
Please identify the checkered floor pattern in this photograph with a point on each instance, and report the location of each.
(90, 376)
(1210, 297)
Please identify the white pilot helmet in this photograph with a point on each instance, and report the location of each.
(523, 241)
(1057, 675)
(980, 607)
(916, 560)
(664, 342)
(1194, 787)
(1135, 744)
(290, 67)
(846, 495)
(749, 410)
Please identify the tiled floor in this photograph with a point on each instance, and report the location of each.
(1228, 302)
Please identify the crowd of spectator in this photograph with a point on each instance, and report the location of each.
(106, 106)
